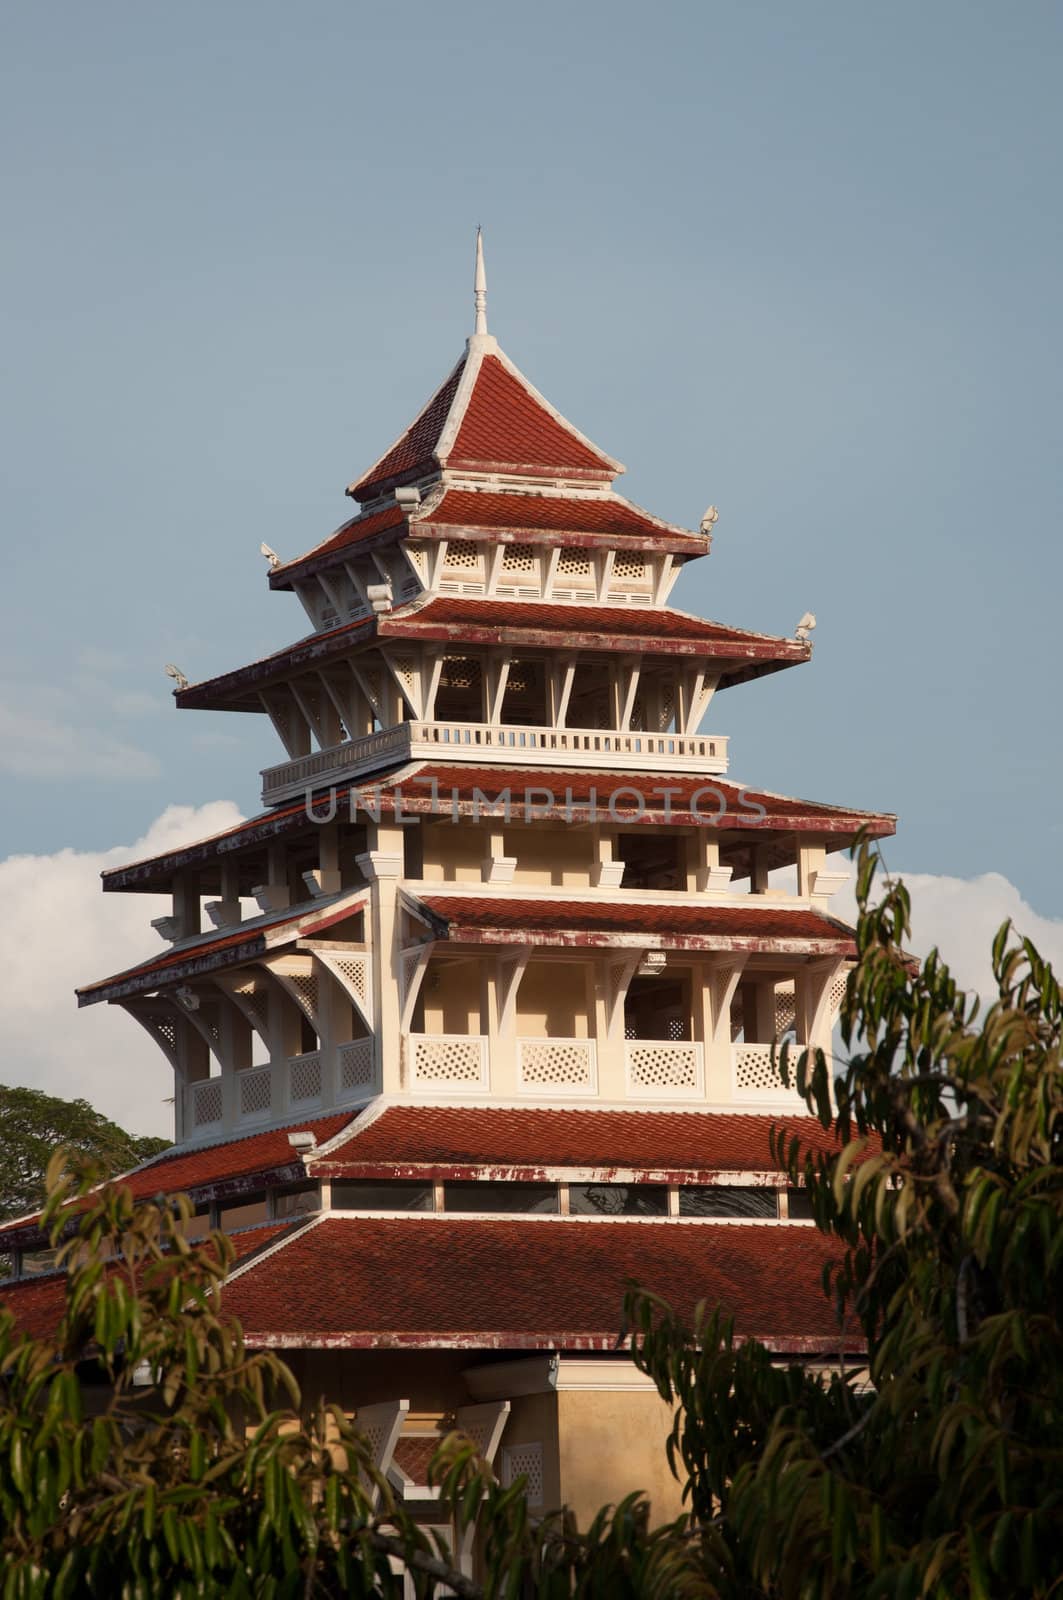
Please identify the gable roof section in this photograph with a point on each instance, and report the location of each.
(486, 416)
(432, 1281)
(405, 1140)
(213, 953)
(491, 919)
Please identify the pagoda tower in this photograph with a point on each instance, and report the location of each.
(474, 1022)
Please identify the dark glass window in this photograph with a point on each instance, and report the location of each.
(526, 1197)
(618, 1200)
(799, 1205)
(398, 1196)
(718, 1200)
(296, 1199)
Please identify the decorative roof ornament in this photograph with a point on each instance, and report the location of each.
(480, 285)
(804, 627)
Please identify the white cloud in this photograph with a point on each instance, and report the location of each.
(60, 931)
(960, 916)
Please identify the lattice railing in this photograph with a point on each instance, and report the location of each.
(756, 1077)
(557, 1066)
(664, 1067)
(448, 1060)
(206, 1102)
(304, 1078)
(356, 1067)
(255, 1091)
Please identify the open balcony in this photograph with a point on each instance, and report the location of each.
(601, 748)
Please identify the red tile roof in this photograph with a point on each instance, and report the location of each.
(729, 805)
(606, 514)
(506, 426)
(355, 531)
(529, 624)
(405, 1138)
(207, 954)
(37, 1304)
(414, 452)
(509, 1283)
(214, 1171)
(678, 926)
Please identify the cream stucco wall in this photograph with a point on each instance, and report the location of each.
(611, 1443)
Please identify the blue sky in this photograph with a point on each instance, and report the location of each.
(798, 260)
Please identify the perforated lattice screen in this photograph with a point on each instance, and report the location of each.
(525, 1461)
(447, 1060)
(256, 1092)
(461, 672)
(655, 1065)
(518, 558)
(754, 1069)
(206, 1102)
(628, 565)
(304, 1082)
(463, 556)
(356, 1065)
(574, 563)
(564, 1063)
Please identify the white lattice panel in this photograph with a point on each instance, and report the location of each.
(304, 986)
(406, 672)
(448, 1060)
(356, 1066)
(525, 1461)
(461, 672)
(755, 1076)
(661, 1067)
(355, 973)
(574, 563)
(206, 1102)
(628, 565)
(256, 1091)
(518, 558)
(837, 994)
(564, 1066)
(255, 1001)
(463, 556)
(304, 1078)
(785, 1008)
(164, 1031)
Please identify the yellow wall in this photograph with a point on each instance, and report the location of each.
(612, 1443)
(552, 1001)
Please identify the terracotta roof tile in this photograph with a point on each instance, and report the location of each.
(551, 513)
(352, 532)
(216, 1167)
(536, 1137)
(37, 1304)
(414, 452)
(672, 925)
(505, 426)
(529, 1282)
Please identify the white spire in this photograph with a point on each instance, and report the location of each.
(480, 285)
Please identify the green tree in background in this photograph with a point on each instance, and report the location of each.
(34, 1125)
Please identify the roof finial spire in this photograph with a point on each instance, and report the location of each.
(480, 285)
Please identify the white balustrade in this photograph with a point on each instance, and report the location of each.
(304, 1079)
(557, 1066)
(206, 1101)
(665, 1069)
(356, 1068)
(602, 748)
(755, 1077)
(447, 1061)
(254, 1088)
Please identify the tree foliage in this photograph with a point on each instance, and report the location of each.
(934, 1469)
(34, 1125)
(937, 1469)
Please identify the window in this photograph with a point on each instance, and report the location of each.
(506, 1197)
(296, 1200)
(799, 1205)
(618, 1200)
(384, 1196)
(718, 1200)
